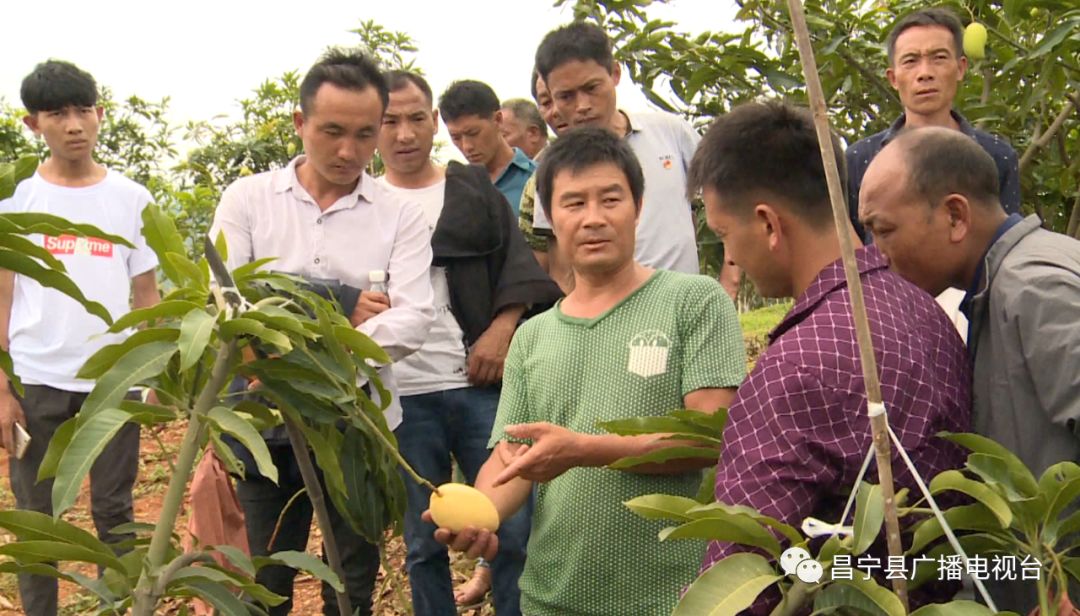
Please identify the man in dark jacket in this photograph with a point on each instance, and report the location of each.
(485, 278)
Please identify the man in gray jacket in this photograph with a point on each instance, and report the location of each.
(931, 201)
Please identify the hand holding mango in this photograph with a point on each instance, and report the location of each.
(975, 41)
(457, 506)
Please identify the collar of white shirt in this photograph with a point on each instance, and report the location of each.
(286, 179)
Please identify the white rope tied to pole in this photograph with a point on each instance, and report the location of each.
(813, 527)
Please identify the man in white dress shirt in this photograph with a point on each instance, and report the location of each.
(323, 217)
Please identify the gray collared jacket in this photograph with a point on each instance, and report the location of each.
(1025, 337)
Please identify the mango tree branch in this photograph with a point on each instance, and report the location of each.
(879, 422)
(1047, 135)
(318, 503)
(145, 596)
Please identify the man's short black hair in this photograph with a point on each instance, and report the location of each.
(351, 69)
(766, 149)
(399, 80)
(941, 162)
(55, 84)
(527, 112)
(580, 149)
(936, 16)
(577, 41)
(468, 97)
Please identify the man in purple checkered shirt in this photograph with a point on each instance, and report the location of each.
(798, 430)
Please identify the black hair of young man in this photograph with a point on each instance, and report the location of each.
(54, 85)
(766, 149)
(398, 79)
(580, 149)
(345, 68)
(927, 17)
(468, 97)
(577, 41)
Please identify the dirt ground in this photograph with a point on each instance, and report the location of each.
(392, 597)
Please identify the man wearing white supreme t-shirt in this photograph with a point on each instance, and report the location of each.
(50, 335)
(485, 277)
(323, 217)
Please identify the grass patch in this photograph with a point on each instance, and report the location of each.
(762, 321)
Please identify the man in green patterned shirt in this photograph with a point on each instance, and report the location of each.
(627, 341)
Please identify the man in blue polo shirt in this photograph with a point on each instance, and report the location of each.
(926, 65)
(472, 114)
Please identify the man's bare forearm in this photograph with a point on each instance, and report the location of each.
(509, 497)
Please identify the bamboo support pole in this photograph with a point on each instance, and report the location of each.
(879, 422)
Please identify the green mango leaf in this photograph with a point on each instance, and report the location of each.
(100, 362)
(195, 331)
(708, 510)
(218, 595)
(278, 318)
(138, 365)
(42, 551)
(245, 271)
(9, 369)
(161, 235)
(741, 529)
(955, 480)
(96, 586)
(234, 555)
(147, 414)
(957, 608)
(1071, 565)
(26, 223)
(869, 516)
(662, 507)
(58, 444)
(228, 459)
(1019, 473)
(227, 579)
(728, 587)
(1061, 484)
(34, 526)
(707, 490)
(303, 562)
(24, 167)
(21, 244)
(231, 423)
(860, 594)
(964, 517)
(667, 454)
(369, 496)
(221, 245)
(1054, 38)
(361, 344)
(187, 268)
(26, 266)
(170, 308)
(242, 326)
(995, 471)
(655, 425)
(90, 438)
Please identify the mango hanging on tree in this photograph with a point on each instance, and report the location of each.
(975, 41)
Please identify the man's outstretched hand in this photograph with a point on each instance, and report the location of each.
(554, 450)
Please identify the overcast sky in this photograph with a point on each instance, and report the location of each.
(207, 54)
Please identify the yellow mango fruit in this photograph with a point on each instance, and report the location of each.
(975, 41)
(457, 506)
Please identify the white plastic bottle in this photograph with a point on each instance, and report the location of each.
(377, 280)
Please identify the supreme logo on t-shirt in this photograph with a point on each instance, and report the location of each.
(72, 245)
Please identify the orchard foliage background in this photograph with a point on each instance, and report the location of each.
(1027, 89)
